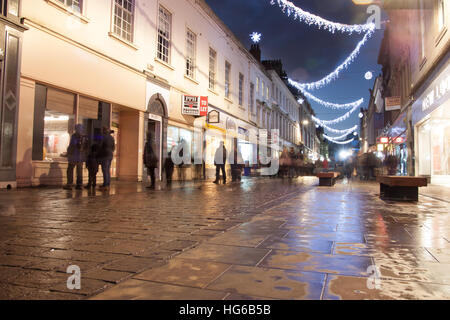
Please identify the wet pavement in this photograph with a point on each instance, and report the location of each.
(261, 239)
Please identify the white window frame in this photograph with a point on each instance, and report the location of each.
(252, 98)
(241, 89)
(78, 9)
(191, 52)
(441, 14)
(160, 55)
(227, 86)
(132, 24)
(212, 69)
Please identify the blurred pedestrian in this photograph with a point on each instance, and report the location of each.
(168, 168)
(150, 160)
(76, 156)
(92, 164)
(106, 153)
(220, 160)
(237, 164)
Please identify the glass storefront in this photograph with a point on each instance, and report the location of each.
(434, 146)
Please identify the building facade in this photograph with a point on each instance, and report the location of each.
(415, 60)
(144, 70)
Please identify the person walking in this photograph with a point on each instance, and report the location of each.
(76, 154)
(220, 159)
(106, 153)
(168, 168)
(92, 164)
(150, 161)
(237, 163)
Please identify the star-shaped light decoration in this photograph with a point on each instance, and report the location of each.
(256, 37)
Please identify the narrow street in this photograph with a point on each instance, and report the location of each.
(261, 239)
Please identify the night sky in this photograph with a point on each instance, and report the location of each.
(309, 54)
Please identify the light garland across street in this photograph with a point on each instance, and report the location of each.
(337, 120)
(336, 138)
(311, 19)
(331, 104)
(345, 131)
(341, 142)
(335, 74)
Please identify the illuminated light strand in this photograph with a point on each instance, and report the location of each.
(337, 120)
(311, 19)
(336, 138)
(335, 74)
(331, 104)
(346, 131)
(340, 142)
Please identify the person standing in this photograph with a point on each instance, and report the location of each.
(106, 153)
(150, 161)
(92, 166)
(220, 160)
(76, 154)
(237, 163)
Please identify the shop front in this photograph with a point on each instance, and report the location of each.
(431, 118)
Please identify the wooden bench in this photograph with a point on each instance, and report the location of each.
(400, 188)
(327, 179)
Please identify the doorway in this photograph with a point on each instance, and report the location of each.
(154, 129)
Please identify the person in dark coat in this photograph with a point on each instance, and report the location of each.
(106, 153)
(150, 161)
(220, 160)
(237, 164)
(168, 168)
(76, 154)
(92, 164)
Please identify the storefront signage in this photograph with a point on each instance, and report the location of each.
(436, 92)
(154, 117)
(393, 103)
(210, 126)
(213, 117)
(195, 106)
(384, 140)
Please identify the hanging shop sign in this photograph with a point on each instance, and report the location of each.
(384, 140)
(393, 103)
(213, 117)
(195, 106)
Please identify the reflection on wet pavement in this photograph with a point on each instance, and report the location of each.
(264, 239)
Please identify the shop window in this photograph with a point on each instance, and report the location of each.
(175, 136)
(59, 124)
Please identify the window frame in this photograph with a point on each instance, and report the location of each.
(190, 62)
(160, 55)
(133, 24)
(241, 89)
(212, 70)
(227, 74)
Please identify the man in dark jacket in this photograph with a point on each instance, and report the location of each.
(220, 159)
(150, 160)
(76, 155)
(106, 153)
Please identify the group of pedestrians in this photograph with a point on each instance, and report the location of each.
(95, 154)
(293, 164)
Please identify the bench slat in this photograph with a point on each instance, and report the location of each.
(395, 181)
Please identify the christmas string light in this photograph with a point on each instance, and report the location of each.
(335, 74)
(331, 104)
(345, 131)
(340, 119)
(311, 19)
(336, 138)
(341, 142)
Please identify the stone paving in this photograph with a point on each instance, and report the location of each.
(262, 239)
(324, 243)
(112, 236)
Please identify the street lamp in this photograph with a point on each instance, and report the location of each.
(305, 122)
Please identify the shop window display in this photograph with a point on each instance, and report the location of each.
(57, 130)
